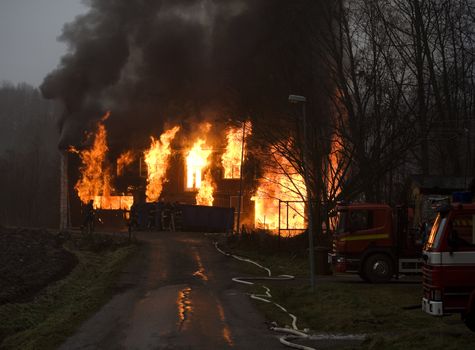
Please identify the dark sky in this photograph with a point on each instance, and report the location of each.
(28, 37)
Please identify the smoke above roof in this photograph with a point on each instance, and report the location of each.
(154, 62)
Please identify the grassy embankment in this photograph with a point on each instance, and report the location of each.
(388, 313)
(57, 310)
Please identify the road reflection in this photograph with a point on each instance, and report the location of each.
(226, 332)
(184, 307)
(201, 272)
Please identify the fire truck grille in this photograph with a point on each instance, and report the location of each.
(426, 279)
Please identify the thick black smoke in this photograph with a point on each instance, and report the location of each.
(156, 61)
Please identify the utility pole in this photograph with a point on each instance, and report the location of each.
(303, 101)
(240, 176)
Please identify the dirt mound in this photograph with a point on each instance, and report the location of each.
(29, 260)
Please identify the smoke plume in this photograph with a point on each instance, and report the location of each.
(153, 62)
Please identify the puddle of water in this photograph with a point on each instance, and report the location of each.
(184, 307)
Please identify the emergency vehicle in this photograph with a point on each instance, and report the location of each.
(449, 264)
(375, 241)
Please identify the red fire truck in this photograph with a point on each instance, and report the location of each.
(449, 264)
(375, 241)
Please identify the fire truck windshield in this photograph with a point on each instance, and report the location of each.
(435, 236)
(342, 224)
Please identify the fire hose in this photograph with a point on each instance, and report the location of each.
(293, 333)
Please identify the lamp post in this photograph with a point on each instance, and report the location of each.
(303, 100)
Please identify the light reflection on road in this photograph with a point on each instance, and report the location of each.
(226, 330)
(201, 272)
(184, 307)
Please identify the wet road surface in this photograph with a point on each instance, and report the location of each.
(177, 293)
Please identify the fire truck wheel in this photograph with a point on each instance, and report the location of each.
(469, 320)
(378, 268)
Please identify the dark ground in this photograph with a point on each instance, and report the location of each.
(177, 293)
(29, 261)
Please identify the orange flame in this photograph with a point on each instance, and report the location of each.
(280, 181)
(231, 159)
(124, 161)
(197, 161)
(95, 180)
(205, 193)
(335, 171)
(113, 202)
(157, 160)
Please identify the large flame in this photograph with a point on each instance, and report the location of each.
(231, 159)
(205, 193)
(280, 182)
(197, 162)
(94, 180)
(157, 160)
(94, 183)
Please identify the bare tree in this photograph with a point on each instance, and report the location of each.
(403, 70)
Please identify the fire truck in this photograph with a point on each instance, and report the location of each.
(375, 241)
(449, 264)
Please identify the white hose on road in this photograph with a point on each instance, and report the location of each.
(293, 333)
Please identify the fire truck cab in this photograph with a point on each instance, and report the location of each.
(449, 264)
(374, 241)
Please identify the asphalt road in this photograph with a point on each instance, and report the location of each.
(176, 294)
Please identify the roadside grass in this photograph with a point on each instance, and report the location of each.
(388, 313)
(285, 255)
(55, 313)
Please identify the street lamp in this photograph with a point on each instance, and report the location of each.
(303, 100)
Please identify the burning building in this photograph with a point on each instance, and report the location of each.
(168, 170)
(178, 168)
(163, 69)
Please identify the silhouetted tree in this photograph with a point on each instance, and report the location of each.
(29, 167)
